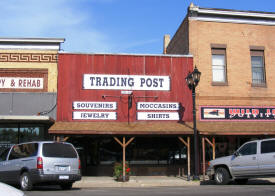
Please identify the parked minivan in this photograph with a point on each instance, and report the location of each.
(253, 159)
(32, 163)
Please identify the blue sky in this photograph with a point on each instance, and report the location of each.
(107, 26)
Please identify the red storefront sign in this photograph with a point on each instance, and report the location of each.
(123, 88)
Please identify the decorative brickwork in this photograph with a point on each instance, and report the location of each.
(28, 57)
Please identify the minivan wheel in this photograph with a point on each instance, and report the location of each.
(66, 186)
(221, 176)
(25, 182)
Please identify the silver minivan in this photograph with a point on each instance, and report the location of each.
(47, 162)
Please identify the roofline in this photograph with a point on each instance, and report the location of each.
(231, 12)
(129, 54)
(32, 40)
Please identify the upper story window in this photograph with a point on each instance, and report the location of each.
(219, 65)
(258, 67)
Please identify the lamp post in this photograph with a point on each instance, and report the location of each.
(192, 81)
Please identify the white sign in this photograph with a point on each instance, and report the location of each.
(157, 116)
(157, 106)
(21, 83)
(77, 105)
(94, 116)
(126, 82)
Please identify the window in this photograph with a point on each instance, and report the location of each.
(258, 68)
(268, 146)
(58, 150)
(219, 65)
(249, 149)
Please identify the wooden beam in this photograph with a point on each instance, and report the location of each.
(118, 141)
(130, 141)
(65, 139)
(123, 144)
(203, 157)
(187, 144)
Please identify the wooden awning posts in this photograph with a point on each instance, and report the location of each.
(212, 144)
(124, 144)
(187, 144)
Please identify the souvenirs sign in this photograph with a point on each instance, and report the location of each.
(126, 82)
(231, 113)
(21, 83)
(94, 105)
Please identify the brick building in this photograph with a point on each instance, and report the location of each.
(234, 50)
(28, 88)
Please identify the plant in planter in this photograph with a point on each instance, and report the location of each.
(118, 171)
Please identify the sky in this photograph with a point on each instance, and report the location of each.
(107, 26)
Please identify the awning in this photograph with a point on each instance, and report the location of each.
(121, 128)
(236, 128)
(26, 119)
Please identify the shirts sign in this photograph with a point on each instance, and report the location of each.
(126, 82)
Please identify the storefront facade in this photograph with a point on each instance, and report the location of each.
(141, 101)
(234, 51)
(28, 85)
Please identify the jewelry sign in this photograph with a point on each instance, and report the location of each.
(94, 114)
(126, 82)
(238, 113)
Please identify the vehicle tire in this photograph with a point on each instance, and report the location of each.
(66, 186)
(241, 181)
(221, 176)
(25, 182)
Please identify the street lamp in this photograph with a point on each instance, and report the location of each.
(192, 81)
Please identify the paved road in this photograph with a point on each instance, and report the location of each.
(207, 190)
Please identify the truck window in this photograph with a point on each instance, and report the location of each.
(268, 146)
(248, 149)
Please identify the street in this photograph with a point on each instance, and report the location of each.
(211, 190)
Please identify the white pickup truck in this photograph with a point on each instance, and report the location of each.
(252, 160)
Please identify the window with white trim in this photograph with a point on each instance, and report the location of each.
(219, 65)
(258, 68)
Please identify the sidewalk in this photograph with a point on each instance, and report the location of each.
(154, 181)
(135, 181)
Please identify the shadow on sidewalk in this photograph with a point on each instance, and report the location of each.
(250, 182)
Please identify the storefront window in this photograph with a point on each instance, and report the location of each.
(8, 135)
(16, 133)
(30, 132)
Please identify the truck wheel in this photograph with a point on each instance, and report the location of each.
(221, 176)
(25, 182)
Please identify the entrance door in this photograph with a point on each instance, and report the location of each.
(246, 162)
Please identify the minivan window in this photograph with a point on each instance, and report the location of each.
(249, 149)
(268, 146)
(23, 150)
(58, 150)
(4, 154)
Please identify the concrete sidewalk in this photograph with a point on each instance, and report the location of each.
(135, 181)
(154, 181)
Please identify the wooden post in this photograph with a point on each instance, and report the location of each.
(203, 157)
(214, 148)
(123, 144)
(187, 144)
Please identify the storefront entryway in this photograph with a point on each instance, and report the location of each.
(146, 156)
